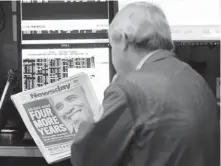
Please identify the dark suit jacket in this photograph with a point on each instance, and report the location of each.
(161, 115)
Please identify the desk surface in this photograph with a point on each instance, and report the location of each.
(12, 146)
(20, 151)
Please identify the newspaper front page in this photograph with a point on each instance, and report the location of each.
(53, 113)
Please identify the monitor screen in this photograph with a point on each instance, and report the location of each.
(189, 20)
(205, 60)
(60, 38)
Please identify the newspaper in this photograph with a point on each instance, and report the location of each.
(54, 112)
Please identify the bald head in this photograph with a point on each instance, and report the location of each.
(143, 25)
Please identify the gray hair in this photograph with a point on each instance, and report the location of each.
(144, 25)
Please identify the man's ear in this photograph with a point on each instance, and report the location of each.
(120, 39)
(124, 41)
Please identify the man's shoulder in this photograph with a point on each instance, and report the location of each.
(126, 86)
(123, 94)
(125, 83)
(120, 85)
(130, 79)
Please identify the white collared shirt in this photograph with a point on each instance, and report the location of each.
(141, 63)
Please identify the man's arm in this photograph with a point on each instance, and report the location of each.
(102, 143)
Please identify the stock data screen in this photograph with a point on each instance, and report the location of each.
(189, 19)
(60, 38)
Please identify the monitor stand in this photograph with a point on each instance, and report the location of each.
(12, 128)
(13, 133)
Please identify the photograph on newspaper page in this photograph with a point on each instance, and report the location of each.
(73, 108)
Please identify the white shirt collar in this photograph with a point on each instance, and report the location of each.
(141, 63)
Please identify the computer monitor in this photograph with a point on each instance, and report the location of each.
(60, 38)
(189, 20)
(203, 57)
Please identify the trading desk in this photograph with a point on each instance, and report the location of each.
(16, 152)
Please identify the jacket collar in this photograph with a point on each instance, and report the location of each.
(141, 63)
(158, 55)
(162, 54)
